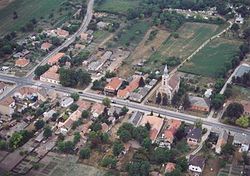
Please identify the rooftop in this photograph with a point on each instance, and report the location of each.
(198, 101)
(22, 62)
(55, 59)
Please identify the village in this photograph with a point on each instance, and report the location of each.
(127, 94)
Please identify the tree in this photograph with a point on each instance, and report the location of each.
(158, 98)
(117, 147)
(109, 161)
(198, 123)
(183, 163)
(3, 145)
(85, 114)
(243, 121)
(165, 100)
(125, 135)
(147, 143)
(186, 102)
(217, 101)
(138, 168)
(227, 149)
(41, 70)
(175, 172)
(73, 107)
(234, 110)
(162, 155)
(124, 111)
(66, 147)
(106, 102)
(235, 27)
(75, 96)
(85, 153)
(141, 82)
(47, 132)
(39, 124)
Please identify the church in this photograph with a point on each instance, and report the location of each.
(169, 85)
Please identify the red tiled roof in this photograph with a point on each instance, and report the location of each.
(170, 167)
(174, 81)
(114, 84)
(22, 62)
(2, 85)
(246, 105)
(83, 105)
(55, 59)
(7, 101)
(134, 84)
(46, 45)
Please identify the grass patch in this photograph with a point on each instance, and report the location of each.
(27, 10)
(190, 37)
(117, 6)
(210, 60)
(132, 34)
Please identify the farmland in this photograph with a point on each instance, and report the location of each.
(27, 10)
(117, 6)
(212, 58)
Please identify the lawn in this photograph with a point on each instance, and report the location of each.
(191, 36)
(26, 10)
(117, 6)
(210, 60)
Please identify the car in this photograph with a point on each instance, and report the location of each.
(80, 92)
(53, 86)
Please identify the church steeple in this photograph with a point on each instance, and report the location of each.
(165, 70)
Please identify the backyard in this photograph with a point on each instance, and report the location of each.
(210, 60)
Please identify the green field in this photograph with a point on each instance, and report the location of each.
(210, 60)
(117, 6)
(27, 10)
(191, 36)
(132, 34)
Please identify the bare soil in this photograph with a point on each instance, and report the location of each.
(4, 3)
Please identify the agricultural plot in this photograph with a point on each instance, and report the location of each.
(211, 60)
(27, 10)
(117, 6)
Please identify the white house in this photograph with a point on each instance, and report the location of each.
(243, 141)
(196, 164)
(66, 102)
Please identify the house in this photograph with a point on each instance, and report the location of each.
(46, 46)
(173, 126)
(2, 87)
(113, 86)
(61, 33)
(102, 25)
(170, 167)
(51, 76)
(208, 93)
(105, 127)
(83, 105)
(113, 110)
(194, 136)
(66, 102)
(97, 109)
(136, 118)
(134, 84)
(138, 96)
(126, 149)
(7, 106)
(246, 105)
(196, 164)
(239, 19)
(156, 124)
(243, 68)
(222, 140)
(67, 125)
(48, 115)
(26, 92)
(55, 59)
(199, 104)
(85, 128)
(242, 140)
(22, 62)
(169, 85)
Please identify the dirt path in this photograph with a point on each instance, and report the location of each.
(143, 51)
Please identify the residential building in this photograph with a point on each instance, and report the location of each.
(7, 106)
(2, 87)
(97, 109)
(67, 125)
(239, 19)
(134, 84)
(208, 93)
(66, 102)
(199, 104)
(194, 136)
(246, 105)
(169, 134)
(136, 118)
(196, 164)
(26, 92)
(102, 25)
(169, 85)
(222, 140)
(243, 68)
(156, 124)
(83, 105)
(55, 59)
(113, 86)
(46, 46)
(48, 115)
(22, 62)
(242, 140)
(51, 76)
(61, 33)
